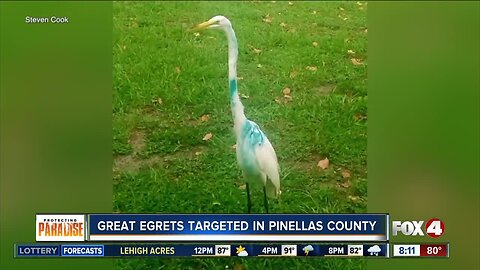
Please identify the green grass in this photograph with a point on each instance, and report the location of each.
(162, 163)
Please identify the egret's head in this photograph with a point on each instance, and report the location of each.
(216, 22)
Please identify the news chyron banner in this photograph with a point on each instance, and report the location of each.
(213, 227)
(306, 235)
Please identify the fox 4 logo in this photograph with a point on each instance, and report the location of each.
(434, 228)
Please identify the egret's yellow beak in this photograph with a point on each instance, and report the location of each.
(202, 26)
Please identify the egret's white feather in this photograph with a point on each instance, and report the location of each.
(267, 161)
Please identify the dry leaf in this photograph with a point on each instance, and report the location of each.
(259, 66)
(287, 91)
(196, 34)
(255, 50)
(356, 61)
(177, 69)
(354, 198)
(314, 12)
(205, 117)
(290, 3)
(244, 96)
(350, 52)
(207, 136)
(311, 68)
(239, 78)
(283, 24)
(345, 174)
(315, 44)
(198, 153)
(158, 101)
(342, 9)
(234, 146)
(359, 3)
(242, 187)
(293, 74)
(366, 30)
(344, 185)
(359, 117)
(267, 19)
(324, 163)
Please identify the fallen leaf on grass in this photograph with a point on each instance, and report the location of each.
(198, 153)
(255, 50)
(287, 91)
(259, 66)
(177, 69)
(359, 117)
(283, 24)
(359, 3)
(350, 52)
(315, 44)
(239, 78)
(342, 9)
(311, 68)
(234, 146)
(242, 187)
(293, 74)
(205, 117)
(196, 34)
(267, 19)
(356, 61)
(207, 136)
(366, 30)
(314, 12)
(290, 3)
(354, 198)
(324, 164)
(346, 174)
(158, 101)
(244, 96)
(345, 185)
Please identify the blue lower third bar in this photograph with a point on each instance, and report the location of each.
(82, 250)
(37, 250)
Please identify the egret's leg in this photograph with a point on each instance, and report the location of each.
(249, 203)
(265, 201)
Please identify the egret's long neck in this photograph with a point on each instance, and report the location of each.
(235, 103)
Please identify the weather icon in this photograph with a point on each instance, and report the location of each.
(374, 250)
(241, 251)
(307, 249)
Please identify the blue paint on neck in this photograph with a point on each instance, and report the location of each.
(233, 88)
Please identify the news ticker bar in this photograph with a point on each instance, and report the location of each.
(380, 250)
(212, 227)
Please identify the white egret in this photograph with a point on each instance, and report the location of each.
(255, 154)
